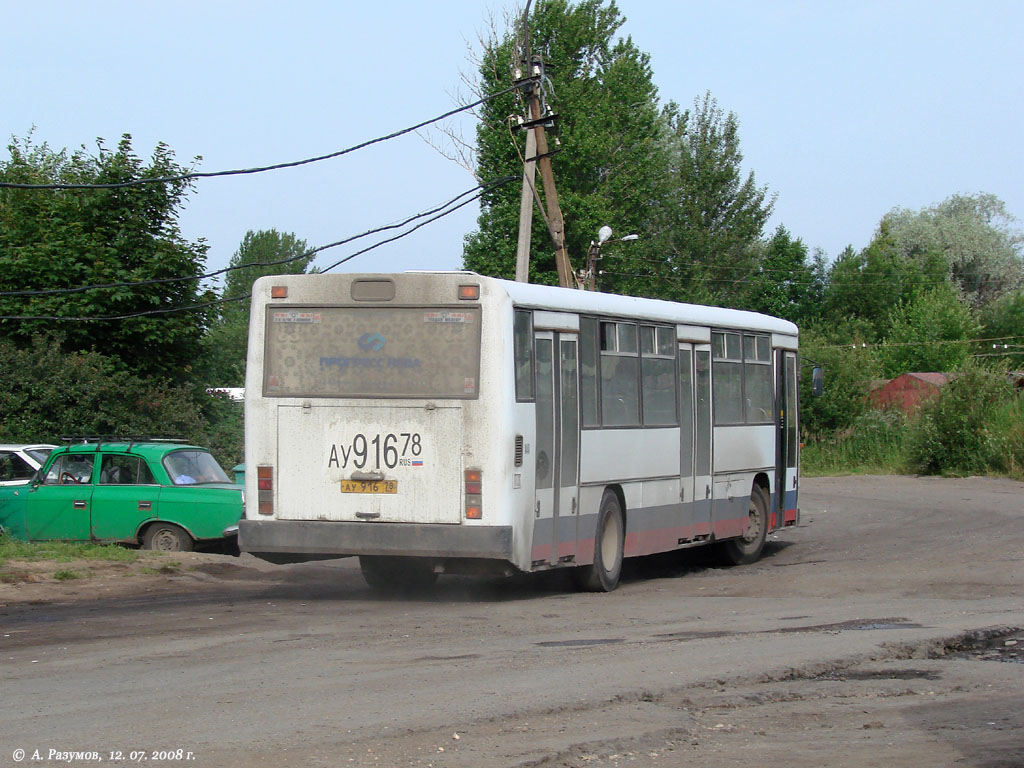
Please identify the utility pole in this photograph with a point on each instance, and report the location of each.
(556, 225)
(526, 210)
(534, 125)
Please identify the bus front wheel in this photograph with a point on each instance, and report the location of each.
(747, 547)
(609, 540)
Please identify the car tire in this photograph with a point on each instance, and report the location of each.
(167, 537)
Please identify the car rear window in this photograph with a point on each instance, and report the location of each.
(193, 468)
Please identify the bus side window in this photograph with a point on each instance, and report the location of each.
(620, 375)
(522, 335)
(658, 375)
(590, 405)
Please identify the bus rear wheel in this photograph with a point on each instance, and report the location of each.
(747, 548)
(396, 574)
(609, 541)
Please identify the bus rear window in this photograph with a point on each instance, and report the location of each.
(372, 352)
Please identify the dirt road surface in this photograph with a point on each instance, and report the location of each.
(885, 631)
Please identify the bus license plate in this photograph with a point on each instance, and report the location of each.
(369, 486)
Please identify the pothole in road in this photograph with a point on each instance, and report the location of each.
(885, 625)
(1006, 646)
(856, 625)
(883, 674)
(579, 643)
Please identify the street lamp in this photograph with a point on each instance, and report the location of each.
(604, 236)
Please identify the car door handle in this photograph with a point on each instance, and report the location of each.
(145, 506)
(78, 504)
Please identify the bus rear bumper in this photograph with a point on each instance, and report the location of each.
(318, 539)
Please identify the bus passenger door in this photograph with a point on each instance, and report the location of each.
(702, 430)
(687, 493)
(784, 503)
(557, 449)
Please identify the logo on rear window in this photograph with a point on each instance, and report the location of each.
(371, 342)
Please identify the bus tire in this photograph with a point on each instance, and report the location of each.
(609, 541)
(167, 537)
(395, 574)
(747, 548)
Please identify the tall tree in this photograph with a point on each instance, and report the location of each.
(270, 253)
(868, 286)
(70, 238)
(1003, 322)
(717, 214)
(787, 281)
(968, 242)
(611, 159)
(975, 238)
(672, 177)
(931, 333)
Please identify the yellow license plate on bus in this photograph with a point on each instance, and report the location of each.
(369, 486)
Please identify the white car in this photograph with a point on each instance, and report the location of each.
(18, 463)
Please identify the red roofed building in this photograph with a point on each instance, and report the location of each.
(907, 392)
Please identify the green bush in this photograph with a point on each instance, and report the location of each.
(969, 428)
(46, 394)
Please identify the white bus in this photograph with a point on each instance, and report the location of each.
(454, 423)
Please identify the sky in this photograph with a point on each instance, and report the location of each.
(846, 110)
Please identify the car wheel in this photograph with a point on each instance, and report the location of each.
(167, 537)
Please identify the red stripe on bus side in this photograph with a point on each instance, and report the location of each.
(540, 552)
(650, 542)
(642, 543)
(726, 529)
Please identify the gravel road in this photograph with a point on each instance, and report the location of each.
(888, 630)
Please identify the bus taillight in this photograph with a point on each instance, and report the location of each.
(265, 486)
(474, 494)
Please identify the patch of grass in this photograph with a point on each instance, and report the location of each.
(876, 444)
(68, 575)
(63, 551)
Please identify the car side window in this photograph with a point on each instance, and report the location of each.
(117, 469)
(13, 467)
(70, 469)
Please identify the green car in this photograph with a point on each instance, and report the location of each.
(155, 494)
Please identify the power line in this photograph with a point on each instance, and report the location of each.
(824, 283)
(166, 280)
(277, 166)
(934, 342)
(439, 212)
(409, 232)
